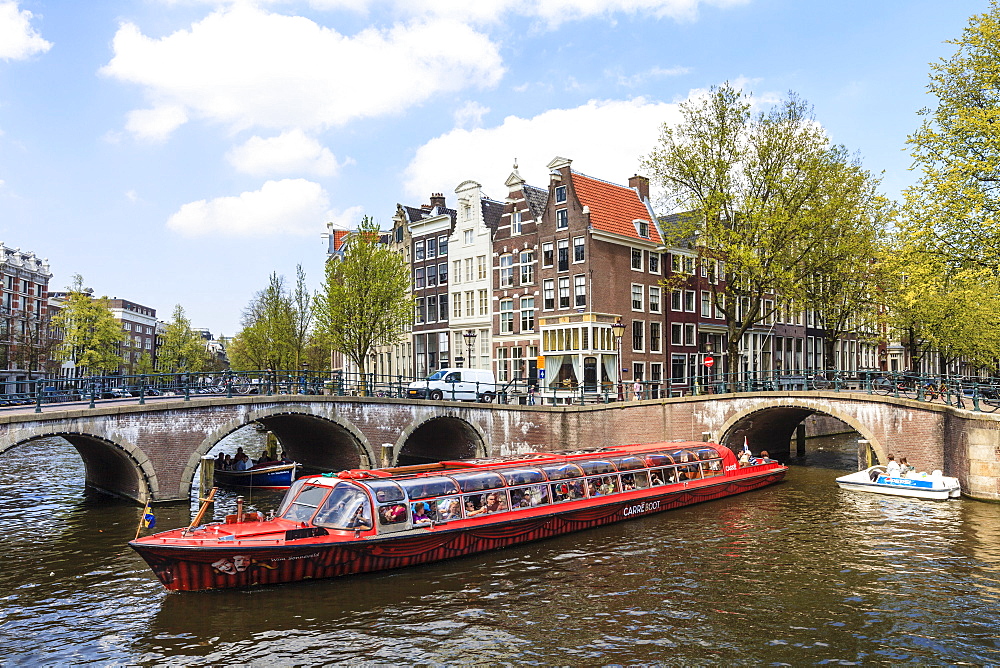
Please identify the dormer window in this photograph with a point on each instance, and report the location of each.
(560, 194)
(641, 228)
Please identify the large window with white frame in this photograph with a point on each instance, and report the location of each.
(580, 290)
(638, 336)
(506, 270)
(562, 254)
(560, 194)
(706, 304)
(527, 314)
(547, 250)
(654, 263)
(564, 292)
(562, 219)
(689, 301)
(579, 252)
(676, 300)
(548, 294)
(506, 316)
(676, 334)
(515, 223)
(654, 299)
(484, 302)
(637, 297)
(655, 340)
(527, 266)
(636, 254)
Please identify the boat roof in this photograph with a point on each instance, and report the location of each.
(524, 459)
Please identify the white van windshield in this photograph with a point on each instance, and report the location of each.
(437, 376)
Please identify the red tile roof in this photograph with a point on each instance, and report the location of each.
(613, 207)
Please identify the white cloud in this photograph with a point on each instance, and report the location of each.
(289, 207)
(155, 124)
(289, 153)
(245, 67)
(18, 40)
(470, 114)
(605, 139)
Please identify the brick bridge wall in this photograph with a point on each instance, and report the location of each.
(154, 449)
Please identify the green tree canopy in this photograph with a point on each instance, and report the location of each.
(953, 209)
(765, 194)
(182, 349)
(365, 300)
(269, 335)
(91, 335)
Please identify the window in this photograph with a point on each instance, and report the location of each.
(419, 308)
(689, 301)
(654, 299)
(639, 371)
(547, 254)
(562, 219)
(706, 304)
(432, 276)
(580, 290)
(675, 263)
(468, 270)
(506, 271)
(690, 335)
(456, 304)
(443, 307)
(481, 267)
(564, 292)
(484, 302)
(676, 300)
(560, 194)
(677, 369)
(418, 277)
(418, 250)
(642, 228)
(443, 273)
(506, 316)
(527, 267)
(563, 255)
(399, 234)
(637, 297)
(654, 263)
(654, 337)
(549, 294)
(689, 265)
(442, 245)
(676, 334)
(432, 245)
(456, 271)
(515, 223)
(527, 314)
(432, 310)
(578, 250)
(470, 304)
(502, 365)
(636, 259)
(638, 330)
(469, 237)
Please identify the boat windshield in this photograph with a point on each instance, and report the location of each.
(286, 501)
(305, 503)
(347, 507)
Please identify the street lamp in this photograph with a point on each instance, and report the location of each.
(470, 341)
(618, 331)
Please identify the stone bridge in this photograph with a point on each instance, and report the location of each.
(154, 449)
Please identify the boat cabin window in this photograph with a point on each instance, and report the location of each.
(637, 480)
(628, 463)
(569, 490)
(522, 476)
(711, 467)
(292, 492)
(305, 503)
(424, 488)
(392, 516)
(707, 453)
(658, 460)
(664, 476)
(597, 466)
(477, 480)
(385, 491)
(486, 503)
(529, 497)
(562, 471)
(602, 485)
(447, 509)
(347, 507)
(423, 513)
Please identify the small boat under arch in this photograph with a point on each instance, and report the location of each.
(360, 521)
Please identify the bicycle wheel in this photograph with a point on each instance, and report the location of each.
(820, 382)
(882, 386)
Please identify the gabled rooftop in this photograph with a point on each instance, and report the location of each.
(615, 208)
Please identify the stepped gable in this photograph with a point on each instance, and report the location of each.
(614, 207)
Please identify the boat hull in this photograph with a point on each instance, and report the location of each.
(187, 568)
(937, 488)
(265, 477)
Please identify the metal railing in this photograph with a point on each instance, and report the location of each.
(972, 393)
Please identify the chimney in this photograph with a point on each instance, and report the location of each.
(437, 199)
(641, 185)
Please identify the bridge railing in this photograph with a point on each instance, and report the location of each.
(974, 393)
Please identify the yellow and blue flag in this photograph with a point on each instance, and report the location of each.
(148, 519)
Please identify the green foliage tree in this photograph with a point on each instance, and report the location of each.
(91, 335)
(365, 300)
(953, 208)
(183, 349)
(144, 365)
(267, 339)
(765, 194)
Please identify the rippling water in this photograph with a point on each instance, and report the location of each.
(798, 573)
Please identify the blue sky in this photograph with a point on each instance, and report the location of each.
(179, 151)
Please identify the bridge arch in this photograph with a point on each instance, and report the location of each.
(775, 422)
(111, 465)
(316, 441)
(439, 438)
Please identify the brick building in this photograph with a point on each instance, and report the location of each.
(139, 326)
(25, 336)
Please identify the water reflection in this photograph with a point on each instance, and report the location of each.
(799, 573)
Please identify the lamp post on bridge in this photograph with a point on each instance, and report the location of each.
(618, 331)
(470, 341)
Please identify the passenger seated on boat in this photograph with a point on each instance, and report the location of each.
(392, 514)
(228, 465)
(420, 514)
(608, 486)
(220, 461)
(764, 457)
(359, 519)
(904, 467)
(892, 468)
(655, 479)
(494, 503)
(449, 509)
(744, 458)
(628, 481)
(593, 487)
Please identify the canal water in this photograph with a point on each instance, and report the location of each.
(797, 573)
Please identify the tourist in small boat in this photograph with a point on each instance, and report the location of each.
(744, 458)
(892, 468)
(904, 467)
(450, 509)
(220, 461)
(764, 457)
(420, 516)
(655, 478)
(494, 503)
(228, 465)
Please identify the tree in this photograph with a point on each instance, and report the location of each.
(302, 301)
(33, 346)
(183, 349)
(365, 300)
(268, 338)
(956, 201)
(91, 335)
(764, 194)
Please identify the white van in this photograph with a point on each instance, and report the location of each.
(454, 384)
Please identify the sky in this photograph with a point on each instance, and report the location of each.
(180, 151)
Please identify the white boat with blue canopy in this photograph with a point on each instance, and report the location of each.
(876, 479)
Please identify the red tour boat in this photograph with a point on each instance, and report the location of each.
(360, 521)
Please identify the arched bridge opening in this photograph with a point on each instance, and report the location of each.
(788, 431)
(318, 443)
(441, 439)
